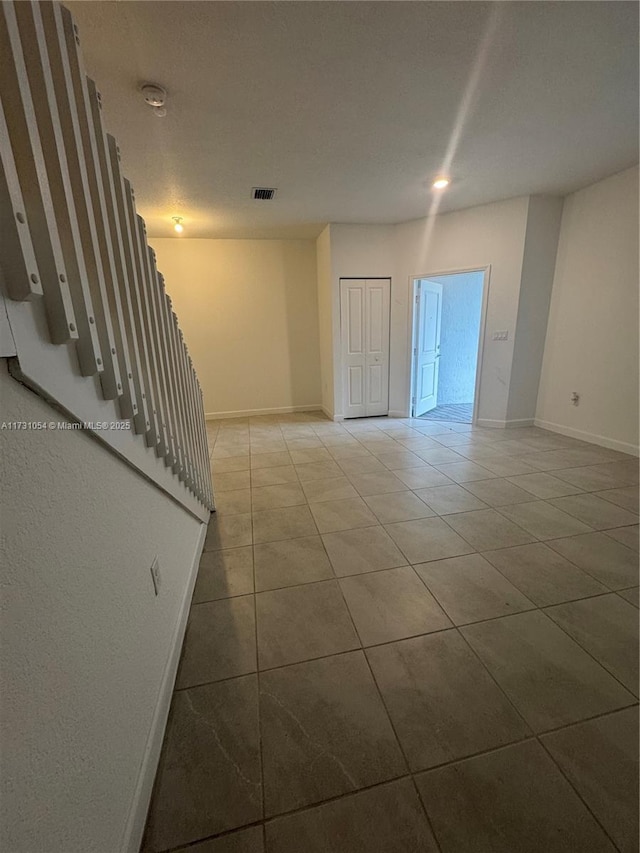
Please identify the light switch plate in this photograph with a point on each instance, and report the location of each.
(502, 335)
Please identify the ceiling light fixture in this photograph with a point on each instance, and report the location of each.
(441, 183)
(178, 226)
(156, 97)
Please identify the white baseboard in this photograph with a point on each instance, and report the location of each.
(134, 829)
(398, 414)
(591, 437)
(247, 413)
(505, 424)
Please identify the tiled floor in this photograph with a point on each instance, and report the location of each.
(407, 636)
(461, 413)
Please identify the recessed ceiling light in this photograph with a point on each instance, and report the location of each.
(441, 183)
(178, 227)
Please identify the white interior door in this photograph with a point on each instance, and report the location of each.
(427, 350)
(364, 312)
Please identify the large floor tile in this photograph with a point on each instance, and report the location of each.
(273, 476)
(361, 465)
(396, 460)
(209, 777)
(595, 512)
(391, 605)
(630, 595)
(514, 799)
(318, 471)
(595, 477)
(223, 574)
(438, 455)
(290, 562)
(607, 627)
(276, 497)
(627, 536)
(364, 549)
(498, 492)
(220, 641)
(543, 575)
(544, 486)
(386, 819)
(398, 506)
(325, 732)
(423, 478)
(303, 622)
(543, 520)
(555, 460)
(228, 531)
(270, 460)
(465, 472)
(377, 483)
(470, 589)
(610, 562)
(600, 758)
(331, 489)
(443, 703)
(223, 465)
(231, 481)
(242, 841)
(234, 502)
(550, 679)
(287, 523)
(314, 452)
(627, 498)
(445, 500)
(507, 466)
(486, 529)
(427, 539)
(330, 516)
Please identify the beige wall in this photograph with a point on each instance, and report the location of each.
(88, 651)
(325, 318)
(249, 312)
(592, 335)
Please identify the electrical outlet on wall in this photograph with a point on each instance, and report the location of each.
(575, 398)
(155, 575)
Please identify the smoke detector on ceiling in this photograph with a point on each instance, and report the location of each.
(263, 193)
(156, 97)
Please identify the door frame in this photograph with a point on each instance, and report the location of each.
(412, 337)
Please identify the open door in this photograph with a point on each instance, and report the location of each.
(427, 349)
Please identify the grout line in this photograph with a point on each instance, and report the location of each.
(575, 790)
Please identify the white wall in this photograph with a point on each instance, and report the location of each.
(357, 251)
(492, 234)
(592, 336)
(249, 311)
(85, 643)
(538, 265)
(459, 329)
(325, 318)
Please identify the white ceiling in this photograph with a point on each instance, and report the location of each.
(351, 108)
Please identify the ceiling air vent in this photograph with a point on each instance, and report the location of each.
(263, 193)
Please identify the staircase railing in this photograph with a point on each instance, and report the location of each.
(94, 328)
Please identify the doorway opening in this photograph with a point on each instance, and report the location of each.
(448, 320)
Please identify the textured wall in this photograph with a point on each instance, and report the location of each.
(85, 642)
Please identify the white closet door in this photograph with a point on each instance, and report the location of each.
(365, 306)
